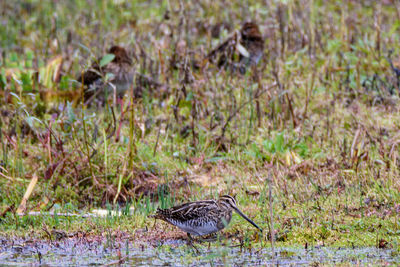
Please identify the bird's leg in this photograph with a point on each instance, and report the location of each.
(190, 239)
(190, 242)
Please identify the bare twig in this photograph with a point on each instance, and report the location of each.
(28, 192)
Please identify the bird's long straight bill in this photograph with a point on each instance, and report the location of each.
(247, 219)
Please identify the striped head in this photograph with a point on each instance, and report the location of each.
(230, 202)
(251, 31)
(121, 56)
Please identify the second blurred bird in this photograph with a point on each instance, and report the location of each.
(105, 79)
(243, 49)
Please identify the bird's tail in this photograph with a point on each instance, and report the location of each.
(158, 215)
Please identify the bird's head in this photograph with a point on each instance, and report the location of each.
(230, 202)
(120, 54)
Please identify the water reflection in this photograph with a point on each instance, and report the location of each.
(84, 252)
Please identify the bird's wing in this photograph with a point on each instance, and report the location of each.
(90, 75)
(192, 210)
(226, 47)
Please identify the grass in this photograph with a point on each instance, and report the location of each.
(316, 123)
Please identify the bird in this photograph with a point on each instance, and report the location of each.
(121, 70)
(247, 45)
(252, 40)
(202, 217)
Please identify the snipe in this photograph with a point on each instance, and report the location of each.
(247, 45)
(120, 67)
(202, 217)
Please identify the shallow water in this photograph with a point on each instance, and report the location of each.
(94, 252)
